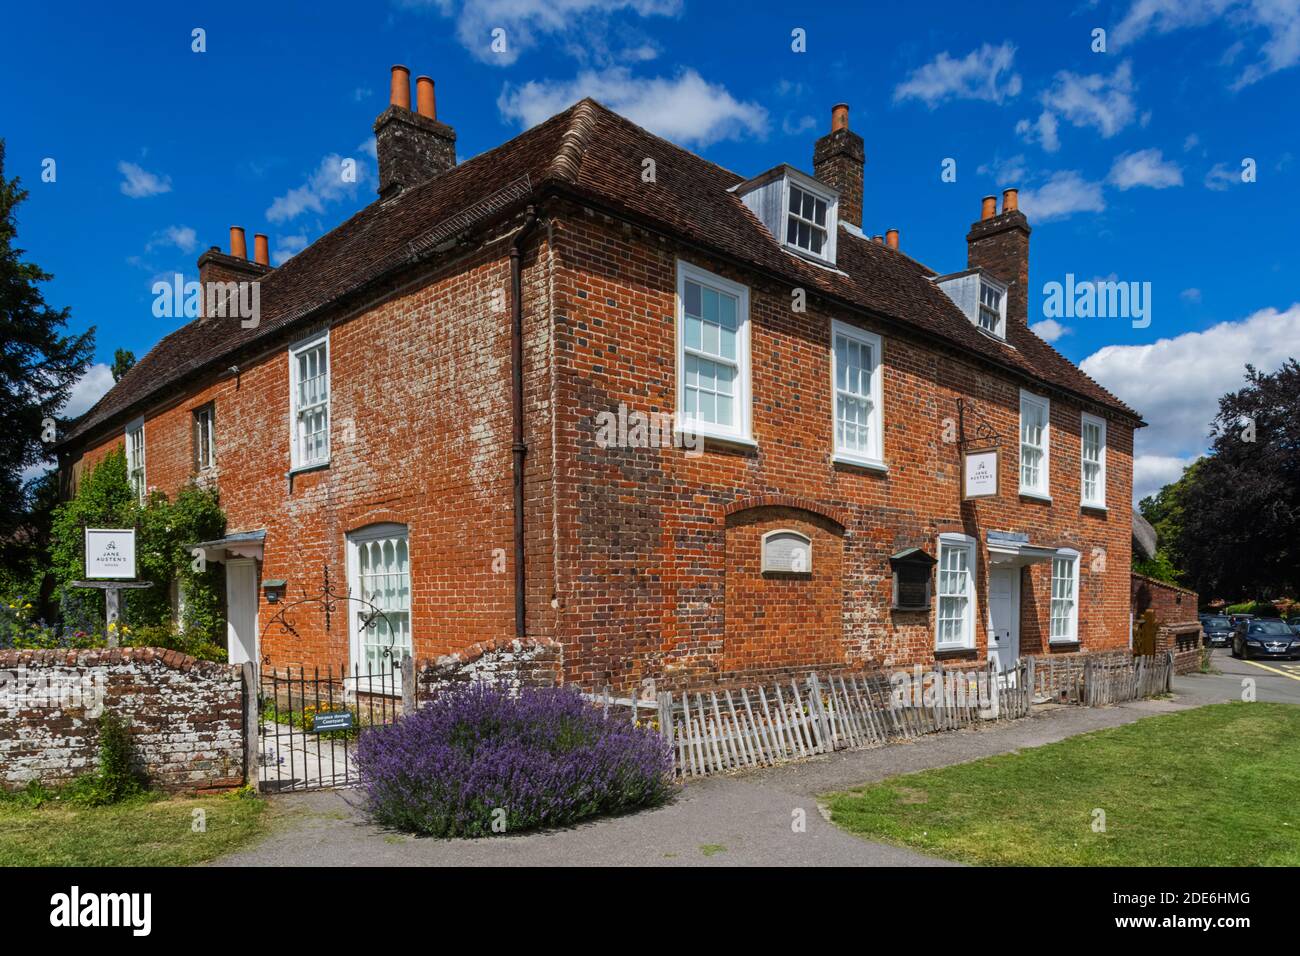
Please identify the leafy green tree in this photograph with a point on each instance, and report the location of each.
(166, 532)
(38, 364)
(123, 359)
(1238, 517)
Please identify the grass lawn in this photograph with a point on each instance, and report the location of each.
(149, 830)
(1215, 786)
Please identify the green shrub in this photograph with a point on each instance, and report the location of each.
(115, 779)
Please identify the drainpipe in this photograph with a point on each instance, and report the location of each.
(517, 447)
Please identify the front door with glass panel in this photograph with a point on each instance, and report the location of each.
(379, 575)
(1004, 617)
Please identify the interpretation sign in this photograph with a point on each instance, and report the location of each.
(980, 474)
(110, 553)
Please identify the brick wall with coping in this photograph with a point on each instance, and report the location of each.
(185, 716)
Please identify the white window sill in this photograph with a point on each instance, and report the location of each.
(712, 436)
(947, 648)
(1093, 506)
(1036, 495)
(859, 461)
(813, 259)
(312, 466)
(1063, 641)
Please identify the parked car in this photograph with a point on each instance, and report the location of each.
(1218, 630)
(1238, 618)
(1265, 637)
(1295, 623)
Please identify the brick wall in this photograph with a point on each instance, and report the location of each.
(521, 663)
(644, 558)
(1172, 604)
(640, 563)
(185, 716)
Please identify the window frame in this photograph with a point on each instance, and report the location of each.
(354, 541)
(818, 191)
(1098, 502)
(319, 339)
(741, 432)
(875, 455)
(999, 331)
(1072, 556)
(133, 428)
(951, 540)
(1044, 491)
(208, 410)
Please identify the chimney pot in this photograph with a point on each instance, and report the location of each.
(989, 208)
(879, 239)
(424, 101)
(839, 116)
(1010, 200)
(400, 94)
(261, 253)
(891, 238)
(238, 247)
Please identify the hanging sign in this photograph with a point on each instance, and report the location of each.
(110, 553)
(980, 474)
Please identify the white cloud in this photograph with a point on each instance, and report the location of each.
(182, 237)
(1049, 330)
(1221, 176)
(139, 183)
(1175, 383)
(527, 22)
(1146, 167)
(90, 388)
(286, 247)
(1277, 20)
(793, 127)
(1042, 131)
(1064, 194)
(328, 184)
(1191, 142)
(976, 76)
(1096, 100)
(1190, 295)
(685, 109)
(1005, 172)
(1153, 472)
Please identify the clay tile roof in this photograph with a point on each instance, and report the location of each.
(594, 153)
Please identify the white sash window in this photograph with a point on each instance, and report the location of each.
(309, 400)
(379, 572)
(1035, 437)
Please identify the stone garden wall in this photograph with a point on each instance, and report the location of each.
(185, 715)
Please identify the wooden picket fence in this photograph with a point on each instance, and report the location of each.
(1113, 681)
(715, 731)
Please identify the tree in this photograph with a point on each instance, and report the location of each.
(123, 359)
(38, 363)
(1164, 512)
(1239, 515)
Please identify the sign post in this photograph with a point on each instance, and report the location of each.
(110, 561)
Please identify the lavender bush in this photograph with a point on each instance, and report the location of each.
(544, 756)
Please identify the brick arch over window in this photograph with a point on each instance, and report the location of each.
(837, 515)
(361, 521)
(778, 621)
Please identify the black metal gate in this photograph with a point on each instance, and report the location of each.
(310, 720)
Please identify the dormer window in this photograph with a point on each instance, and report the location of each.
(806, 221)
(800, 212)
(991, 309)
(981, 297)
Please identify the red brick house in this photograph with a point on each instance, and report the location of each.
(453, 401)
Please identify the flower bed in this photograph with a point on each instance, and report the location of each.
(479, 759)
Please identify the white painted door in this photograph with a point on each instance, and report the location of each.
(241, 610)
(1004, 617)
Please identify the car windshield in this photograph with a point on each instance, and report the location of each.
(1216, 622)
(1269, 627)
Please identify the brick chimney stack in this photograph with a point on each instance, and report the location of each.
(999, 242)
(234, 266)
(838, 158)
(412, 147)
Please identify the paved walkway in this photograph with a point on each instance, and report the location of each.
(739, 820)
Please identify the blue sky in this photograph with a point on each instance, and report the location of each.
(1129, 160)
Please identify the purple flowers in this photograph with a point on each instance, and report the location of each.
(480, 759)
